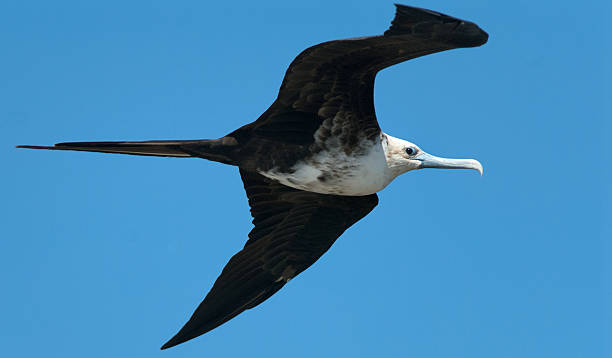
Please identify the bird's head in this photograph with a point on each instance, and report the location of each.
(403, 156)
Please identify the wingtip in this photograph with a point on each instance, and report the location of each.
(168, 344)
(410, 20)
(171, 343)
(179, 338)
(406, 9)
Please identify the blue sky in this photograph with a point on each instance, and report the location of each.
(108, 255)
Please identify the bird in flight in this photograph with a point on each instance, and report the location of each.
(313, 162)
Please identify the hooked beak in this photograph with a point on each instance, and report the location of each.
(431, 161)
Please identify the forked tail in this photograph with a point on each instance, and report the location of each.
(219, 150)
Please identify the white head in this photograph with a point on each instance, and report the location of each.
(403, 156)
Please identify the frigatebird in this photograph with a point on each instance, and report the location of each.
(313, 162)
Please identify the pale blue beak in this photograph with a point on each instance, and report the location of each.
(431, 161)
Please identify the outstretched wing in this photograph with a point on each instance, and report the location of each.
(335, 79)
(293, 228)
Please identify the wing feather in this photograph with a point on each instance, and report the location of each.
(293, 228)
(337, 77)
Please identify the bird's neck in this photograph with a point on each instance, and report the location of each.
(392, 147)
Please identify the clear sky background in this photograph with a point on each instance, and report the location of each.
(107, 256)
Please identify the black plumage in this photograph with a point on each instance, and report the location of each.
(293, 228)
(327, 92)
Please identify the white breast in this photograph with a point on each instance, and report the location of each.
(335, 172)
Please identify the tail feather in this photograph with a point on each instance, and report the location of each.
(212, 149)
(154, 148)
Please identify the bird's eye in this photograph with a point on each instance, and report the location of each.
(411, 150)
